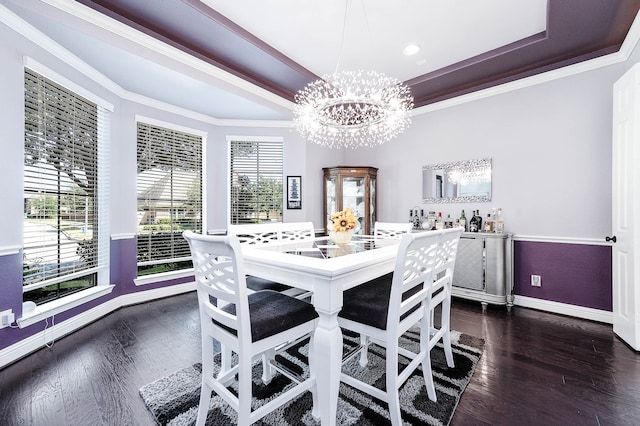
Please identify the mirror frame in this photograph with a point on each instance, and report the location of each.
(463, 165)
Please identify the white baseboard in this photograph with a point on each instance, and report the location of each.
(57, 331)
(53, 332)
(564, 309)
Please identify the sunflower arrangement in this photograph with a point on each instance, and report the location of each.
(344, 220)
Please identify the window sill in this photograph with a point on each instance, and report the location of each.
(47, 310)
(163, 276)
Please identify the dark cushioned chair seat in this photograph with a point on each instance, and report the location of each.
(257, 284)
(272, 312)
(369, 303)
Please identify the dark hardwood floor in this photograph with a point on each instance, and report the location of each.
(537, 369)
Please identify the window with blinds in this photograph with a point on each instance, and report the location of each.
(62, 243)
(169, 194)
(256, 181)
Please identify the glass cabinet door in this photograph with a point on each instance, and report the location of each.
(331, 203)
(353, 197)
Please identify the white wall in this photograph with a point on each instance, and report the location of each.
(551, 150)
(550, 145)
(12, 125)
(300, 158)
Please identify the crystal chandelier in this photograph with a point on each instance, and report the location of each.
(352, 109)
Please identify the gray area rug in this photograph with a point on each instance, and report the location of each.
(173, 400)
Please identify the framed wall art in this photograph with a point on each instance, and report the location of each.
(294, 192)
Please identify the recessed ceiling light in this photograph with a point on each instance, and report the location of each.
(411, 49)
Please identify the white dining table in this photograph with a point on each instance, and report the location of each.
(327, 270)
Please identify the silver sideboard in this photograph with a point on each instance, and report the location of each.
(484, 269)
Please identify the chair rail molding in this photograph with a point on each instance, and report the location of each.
(9, 250)
(562, 240)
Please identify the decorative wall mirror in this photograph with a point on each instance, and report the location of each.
(457, 182)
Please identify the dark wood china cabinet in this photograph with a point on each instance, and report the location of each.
(354, 188)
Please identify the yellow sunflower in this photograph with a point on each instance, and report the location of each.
(344, 220)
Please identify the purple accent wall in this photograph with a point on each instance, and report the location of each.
(11, 285)
(575, 274)
(123, 270)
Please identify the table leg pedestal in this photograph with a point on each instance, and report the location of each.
(328, 364)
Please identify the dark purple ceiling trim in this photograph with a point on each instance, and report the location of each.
(495, 80)
(238, 30)
(577, 30)
(240, 56)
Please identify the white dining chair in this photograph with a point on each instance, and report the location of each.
(272, 232)
(268, 233)
(255, 233)
(441, 291)
(383, 309)
(297, 231)
(259, 233)
(391, 229)
(246, 323)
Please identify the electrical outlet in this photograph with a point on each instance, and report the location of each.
(7, 318)
(536, 280)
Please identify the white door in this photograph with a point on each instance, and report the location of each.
(626, 207)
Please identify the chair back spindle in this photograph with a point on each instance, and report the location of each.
(391, 229)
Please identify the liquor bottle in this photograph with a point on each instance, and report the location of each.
(488, 225)
(463, 220)
(439, 221)
(417, 220)
(473, 222)
(448, 223)
(432, 218)
(499, 222)
(479, 220)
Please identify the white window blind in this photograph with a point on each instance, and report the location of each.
(169, 194)
(64, 232)
(256, 181)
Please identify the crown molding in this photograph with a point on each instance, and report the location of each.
(89, 15)
(630, 42)
(22, 27)
(135, 36)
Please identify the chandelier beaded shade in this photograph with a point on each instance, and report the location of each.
(352, 109)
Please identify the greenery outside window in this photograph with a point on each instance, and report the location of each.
(169, 197)
(256, 180)
(65, 237)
